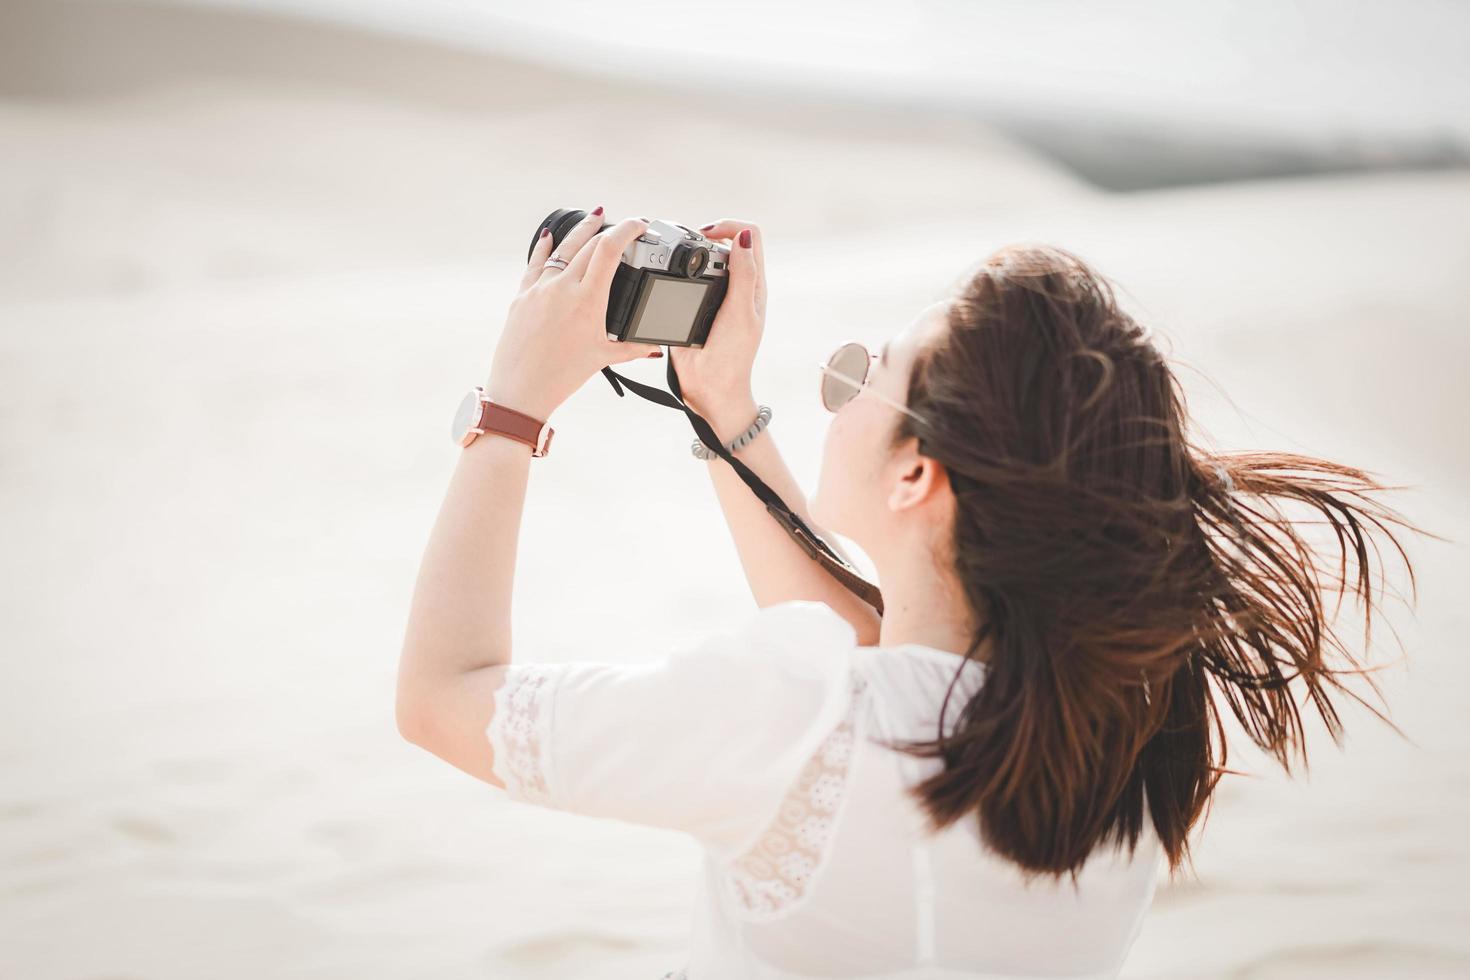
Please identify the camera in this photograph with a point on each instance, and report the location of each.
(668, 286)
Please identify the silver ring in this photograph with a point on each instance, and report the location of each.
(554, 263)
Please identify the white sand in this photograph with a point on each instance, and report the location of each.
(247, 271)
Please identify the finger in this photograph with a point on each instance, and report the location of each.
(538, 256)
(571, 245)
(624, 351)
(747, 263)
(597, 267)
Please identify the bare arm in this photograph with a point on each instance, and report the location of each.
(776, 567)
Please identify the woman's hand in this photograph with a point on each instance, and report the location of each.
(555, 336)
(719, 372)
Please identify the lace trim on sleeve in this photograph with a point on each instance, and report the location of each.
(517, 730)
(773, 874)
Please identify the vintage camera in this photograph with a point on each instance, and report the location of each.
(668, 285)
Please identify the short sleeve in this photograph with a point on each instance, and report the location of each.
(705, 740)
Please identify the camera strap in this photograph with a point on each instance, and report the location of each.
(809, 541)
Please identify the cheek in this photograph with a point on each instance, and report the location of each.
(843, 453)
(831, 447)
(844, 500)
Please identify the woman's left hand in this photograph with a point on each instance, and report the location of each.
(555, 335)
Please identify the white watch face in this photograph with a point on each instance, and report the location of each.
(466, 416)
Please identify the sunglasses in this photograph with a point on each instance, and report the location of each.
(845, 374)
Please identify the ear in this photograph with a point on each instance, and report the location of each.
(920, 479)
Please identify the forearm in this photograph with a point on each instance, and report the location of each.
(459, 620)
(777, 568)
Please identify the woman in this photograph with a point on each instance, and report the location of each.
(985, 781)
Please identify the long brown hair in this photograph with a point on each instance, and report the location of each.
(1115, 568)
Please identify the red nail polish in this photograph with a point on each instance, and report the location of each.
(707, 227)
(544, 232)
(599, 209)
(745, 238)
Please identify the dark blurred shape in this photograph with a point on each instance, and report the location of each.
(1127, 155)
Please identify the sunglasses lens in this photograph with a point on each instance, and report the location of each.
(849, 361)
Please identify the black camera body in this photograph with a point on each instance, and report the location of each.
(668, 286)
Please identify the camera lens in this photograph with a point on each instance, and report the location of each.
(560, 221)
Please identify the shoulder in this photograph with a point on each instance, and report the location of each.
(706, 739)
(780, 664)
(785, 671)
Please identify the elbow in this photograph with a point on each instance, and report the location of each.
(409, 722)
(410, 712)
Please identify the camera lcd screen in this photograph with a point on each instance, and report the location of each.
(666, 310)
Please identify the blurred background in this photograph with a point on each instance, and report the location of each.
(252, 254)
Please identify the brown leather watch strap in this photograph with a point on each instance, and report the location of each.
(517, 425)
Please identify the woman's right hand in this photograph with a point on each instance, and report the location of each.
(718, 374)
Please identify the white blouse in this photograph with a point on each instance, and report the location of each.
(757, 742)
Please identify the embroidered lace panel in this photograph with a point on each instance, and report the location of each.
(773, 873)
(521, 703)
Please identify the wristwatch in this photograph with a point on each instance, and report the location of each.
(477, 415)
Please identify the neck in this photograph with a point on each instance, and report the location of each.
(921, 605)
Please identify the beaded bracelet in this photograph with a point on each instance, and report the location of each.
(762, 416)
